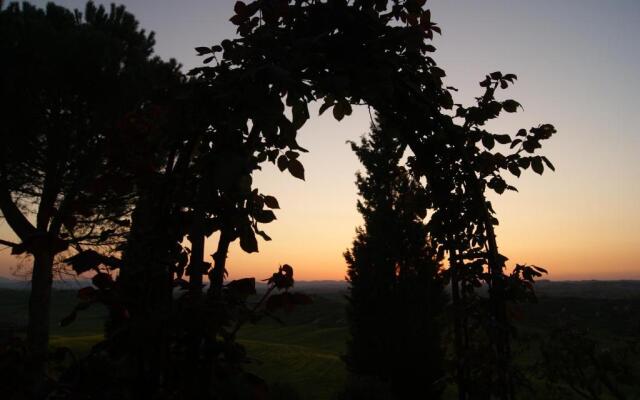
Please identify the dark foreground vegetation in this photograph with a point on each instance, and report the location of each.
(302, 358)
(117, 166)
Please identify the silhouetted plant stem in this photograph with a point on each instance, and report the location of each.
(216, 275)
(457, 322)
(255, 308)
(499, 307)
(499, 335)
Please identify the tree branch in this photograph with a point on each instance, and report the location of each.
(16, 220)
(8, 243)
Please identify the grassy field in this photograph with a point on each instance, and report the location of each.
(304, 355)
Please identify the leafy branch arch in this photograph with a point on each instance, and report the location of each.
(377, 53)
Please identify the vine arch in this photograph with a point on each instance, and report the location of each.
(245, 105)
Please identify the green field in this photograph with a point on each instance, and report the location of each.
(304, 354)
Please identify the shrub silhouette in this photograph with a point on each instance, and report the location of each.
(68, 79)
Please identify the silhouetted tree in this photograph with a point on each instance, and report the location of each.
(395, 294)
(69, 81)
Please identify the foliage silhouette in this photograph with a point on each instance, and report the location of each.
(396, 297)
(463, 223)
(68, 80)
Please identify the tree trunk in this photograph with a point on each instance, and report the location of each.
(39, 311)
(146, 283)
(196, 261)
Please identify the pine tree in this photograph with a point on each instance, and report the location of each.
(395, 296)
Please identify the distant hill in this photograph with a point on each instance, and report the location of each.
(15, 284)
(321, 286)
(619, 289)
(23, 284)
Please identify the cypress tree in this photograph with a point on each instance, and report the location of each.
(395, 295)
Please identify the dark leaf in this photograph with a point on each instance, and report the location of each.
(236, 19)
(341, 109)
(300, 114)
(240, 7)
(510, 106)
(540, 269)
(524, 162)
(203, 50)
(497, 184)
(530, 145)
(488, 141)
(536, 164)
(514, 169)
(283, 163)
(296, 169)
(292, 154)
(84, 261)
(271, 202)
(502, 139)
(327, 103)
(248, 241)
(264, 216)
(263, 235)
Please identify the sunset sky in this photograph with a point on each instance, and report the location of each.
(578, 66)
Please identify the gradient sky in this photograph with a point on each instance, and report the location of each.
(577, 62)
